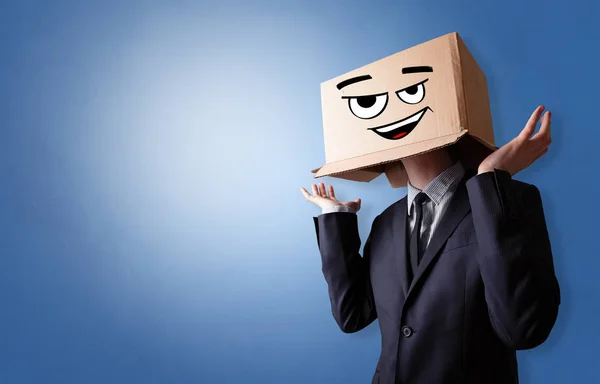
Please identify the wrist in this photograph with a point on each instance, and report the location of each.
(481, 170)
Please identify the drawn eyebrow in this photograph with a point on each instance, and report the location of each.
(353, 80)
(416, 69)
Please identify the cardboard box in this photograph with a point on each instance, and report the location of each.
(423, 98)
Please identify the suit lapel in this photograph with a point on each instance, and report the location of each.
(398, 234)
(457, 209)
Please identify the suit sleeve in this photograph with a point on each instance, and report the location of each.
(515, 258)
(346, 272)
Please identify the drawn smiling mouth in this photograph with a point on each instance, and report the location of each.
(401, 128)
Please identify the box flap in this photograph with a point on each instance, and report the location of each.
(396, 174)
(388, 155)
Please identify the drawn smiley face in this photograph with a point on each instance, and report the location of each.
(370, 106)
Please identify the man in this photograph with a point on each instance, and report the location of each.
(459, 272)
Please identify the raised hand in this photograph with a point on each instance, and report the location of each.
(322, 198)
(523, 150)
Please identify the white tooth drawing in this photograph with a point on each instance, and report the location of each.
(402, 123)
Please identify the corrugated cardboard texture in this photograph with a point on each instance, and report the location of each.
(437, 83)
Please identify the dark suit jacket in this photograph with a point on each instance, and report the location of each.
(485, 287)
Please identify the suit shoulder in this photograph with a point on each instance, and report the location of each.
(524, 187)
(388, 213)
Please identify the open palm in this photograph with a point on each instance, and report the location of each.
(524, 149)
(325, 197)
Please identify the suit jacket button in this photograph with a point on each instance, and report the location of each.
(407, 331)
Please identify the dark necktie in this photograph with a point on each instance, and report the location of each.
(415, 247)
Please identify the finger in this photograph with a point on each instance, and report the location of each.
(531, 124)
(546, 125)
(315, 190)
(331, 192)
(307, 195)
(354, 204)
(322, 190)
(544, 133)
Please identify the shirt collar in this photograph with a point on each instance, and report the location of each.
(436, 189)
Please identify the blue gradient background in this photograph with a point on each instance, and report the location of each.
(151, 154)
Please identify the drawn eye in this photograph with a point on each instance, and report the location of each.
(367, 107)
(413, 94)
